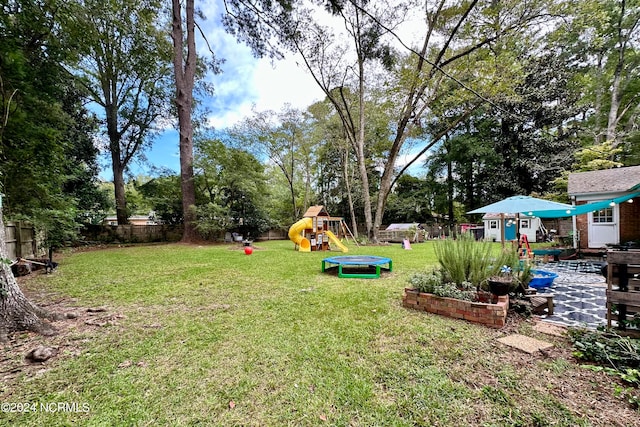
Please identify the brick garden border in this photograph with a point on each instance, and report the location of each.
(492, 315)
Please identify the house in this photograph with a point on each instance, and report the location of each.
(493, 222)
(607, 206)
(133, 220)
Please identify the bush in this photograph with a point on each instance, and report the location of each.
(431, 283)
(426, 281)
(465, 291)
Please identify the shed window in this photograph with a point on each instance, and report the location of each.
(603, 215)
(493, 224)
(524, 223)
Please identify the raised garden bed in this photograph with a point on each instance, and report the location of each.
(490, 314)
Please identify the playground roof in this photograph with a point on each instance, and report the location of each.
(317, 210)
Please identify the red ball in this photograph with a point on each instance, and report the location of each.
(248, 250)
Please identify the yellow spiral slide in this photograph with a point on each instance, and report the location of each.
(295, 235)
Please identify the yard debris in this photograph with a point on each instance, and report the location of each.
(232, 404)
(109, 320)
(128, 363)
(153, 326)
(41, 354)
(125, 364)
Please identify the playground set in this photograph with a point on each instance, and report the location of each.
(314, 231)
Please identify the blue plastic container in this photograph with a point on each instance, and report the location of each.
(542, 279)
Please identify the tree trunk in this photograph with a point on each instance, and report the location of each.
(612, 120)
(347, 185)
(119, 190)
(185, 75)
(372, 232)
(17, 313)
(117, 165)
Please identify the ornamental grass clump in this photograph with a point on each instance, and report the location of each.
(466, 260)
(465, 268)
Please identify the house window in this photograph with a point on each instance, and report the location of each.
(493, 224)
(524, 223)
(603, 215)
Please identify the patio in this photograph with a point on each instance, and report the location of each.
(579, 294)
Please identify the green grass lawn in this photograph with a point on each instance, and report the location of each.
(206, 335)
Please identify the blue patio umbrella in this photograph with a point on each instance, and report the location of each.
(521, 204)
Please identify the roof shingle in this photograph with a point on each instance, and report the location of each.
(604, 181)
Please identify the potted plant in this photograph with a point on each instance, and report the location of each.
(502, 283)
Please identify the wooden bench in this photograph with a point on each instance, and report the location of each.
(541, 302)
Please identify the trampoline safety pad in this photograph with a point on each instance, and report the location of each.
(372, 265)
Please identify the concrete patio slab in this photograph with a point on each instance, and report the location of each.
(525, 343)
(550, 329)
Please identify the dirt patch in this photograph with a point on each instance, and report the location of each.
(78, 325)
(593, 396)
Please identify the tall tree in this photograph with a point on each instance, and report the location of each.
(602, 37)
(280, 137)
(46, 145)
(124, 66)
(453, 37)
(28, 91)
(335, 171)
(235, 184)
(184, 65)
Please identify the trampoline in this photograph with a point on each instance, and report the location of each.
(358, 266)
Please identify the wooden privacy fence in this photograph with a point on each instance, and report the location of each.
(132, 233)
(154, 233)
(22, 241)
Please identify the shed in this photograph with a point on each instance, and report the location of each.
(399, 231)
(494, 221)
(607, 206)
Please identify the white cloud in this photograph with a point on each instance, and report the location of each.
(246, 81)
(284, 82)
(268, 86)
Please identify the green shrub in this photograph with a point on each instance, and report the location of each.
(431, 283)
(465, 291)
(425, 281)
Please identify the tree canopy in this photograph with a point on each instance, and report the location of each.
(421, 119)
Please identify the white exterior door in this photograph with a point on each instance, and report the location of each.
(603, 227)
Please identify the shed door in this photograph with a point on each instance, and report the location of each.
(509, 230)
(603, 227)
